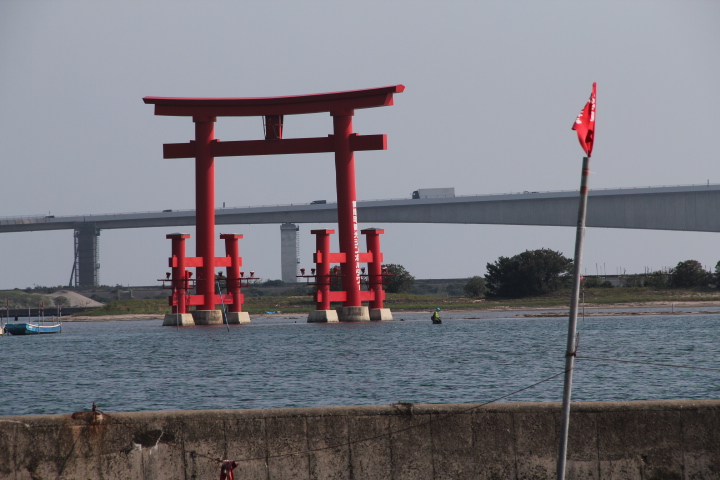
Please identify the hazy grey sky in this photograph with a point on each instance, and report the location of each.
(492, 89)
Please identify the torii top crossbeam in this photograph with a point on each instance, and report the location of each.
(261, 106)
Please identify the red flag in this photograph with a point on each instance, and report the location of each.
(585, 124)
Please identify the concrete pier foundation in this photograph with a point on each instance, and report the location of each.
(380, 314)
(178, 319)
(354, 314)
(323, 316)
(208, 317)
(237, 318)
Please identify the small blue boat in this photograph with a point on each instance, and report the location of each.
(31, 328)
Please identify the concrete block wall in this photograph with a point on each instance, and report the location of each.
(629, 440)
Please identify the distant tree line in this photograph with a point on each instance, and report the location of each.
(538, 272)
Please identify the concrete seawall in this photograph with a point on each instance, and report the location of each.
(624, 440)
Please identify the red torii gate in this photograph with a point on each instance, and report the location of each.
(343, 142)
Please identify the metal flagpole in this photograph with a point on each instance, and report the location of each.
(572, 324)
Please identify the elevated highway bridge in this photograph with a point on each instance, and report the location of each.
(688, 208)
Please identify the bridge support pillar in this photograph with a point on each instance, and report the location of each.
(289, 252)
(87, 266)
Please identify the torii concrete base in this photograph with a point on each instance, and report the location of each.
(323, 316)
(178, 319)
(237, 318)
(208, 317)
(380, 314)
(354, 314)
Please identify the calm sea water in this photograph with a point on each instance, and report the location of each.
(286, 362)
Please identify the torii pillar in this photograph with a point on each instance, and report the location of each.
(205, 216)
(353, 310)
(343, 142)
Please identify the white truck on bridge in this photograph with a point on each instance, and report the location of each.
(434, 193)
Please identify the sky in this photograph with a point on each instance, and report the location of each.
(492, 89)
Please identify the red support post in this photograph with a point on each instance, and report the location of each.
(177, 263)
(375, 277)
(322, 268)
(347, 205)
(205, 208)
(232, 250)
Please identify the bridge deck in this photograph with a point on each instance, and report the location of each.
(688, 208)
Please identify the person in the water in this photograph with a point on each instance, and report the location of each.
(436, 316)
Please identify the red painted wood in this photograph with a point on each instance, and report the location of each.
(242, 148)
(205, 208)
(261, 106)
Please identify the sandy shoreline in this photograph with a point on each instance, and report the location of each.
(523, 312)
(103, 318)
